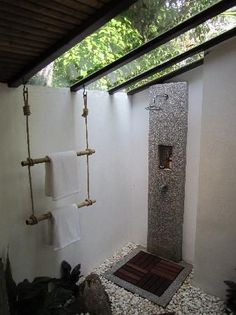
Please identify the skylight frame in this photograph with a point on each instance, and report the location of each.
(168, 76)
(157, 42)
(181, 57)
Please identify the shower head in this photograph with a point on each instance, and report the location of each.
(153, 105)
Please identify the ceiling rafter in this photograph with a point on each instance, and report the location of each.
(102, 16)
(157, 42)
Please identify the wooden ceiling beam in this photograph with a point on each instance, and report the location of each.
(27, 17)
(101, 17)
(6, 26)
(22, 42)
(44, 10)
(92, 3)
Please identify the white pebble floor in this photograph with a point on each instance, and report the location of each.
(188, 300)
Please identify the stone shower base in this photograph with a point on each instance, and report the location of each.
(161, 289)
(188, 300)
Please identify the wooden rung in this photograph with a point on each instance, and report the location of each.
(46, 158)
(47, 216)
(41, 217)
(86, 203)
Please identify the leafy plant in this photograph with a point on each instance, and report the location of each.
(231, 296)
(45, 295)
(10, 287)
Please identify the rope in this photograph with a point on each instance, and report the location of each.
(85, 115)
(26, 110)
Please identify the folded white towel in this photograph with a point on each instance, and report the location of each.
(64, 226)
(61, 178)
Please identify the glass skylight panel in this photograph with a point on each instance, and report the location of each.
(199, 35)
(165, 72)
(143, 21)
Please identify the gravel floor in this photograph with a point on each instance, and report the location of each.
(188, 300)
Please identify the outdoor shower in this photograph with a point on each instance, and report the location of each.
(168, 110)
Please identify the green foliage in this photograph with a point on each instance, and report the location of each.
(164, 72)
(152, 18)
(145, 20)
(96, 51)
(231, 296)
(44, 295)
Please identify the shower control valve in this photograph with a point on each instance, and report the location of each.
(164, 188)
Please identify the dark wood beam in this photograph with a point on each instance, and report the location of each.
(168, 76)
(200, 48)
(102, 16)
(158, 41)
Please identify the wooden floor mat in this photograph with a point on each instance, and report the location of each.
(151, 277)
(149, 272)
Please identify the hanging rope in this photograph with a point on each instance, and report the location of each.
(26, 110)
(85, 115)
(30, 162)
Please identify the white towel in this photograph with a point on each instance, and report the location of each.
(64, 226)
(61, 178)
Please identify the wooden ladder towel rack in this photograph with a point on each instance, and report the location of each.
(29, 162)
(46, 159)
(48, 215)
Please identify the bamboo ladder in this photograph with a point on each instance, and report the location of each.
(33, 219)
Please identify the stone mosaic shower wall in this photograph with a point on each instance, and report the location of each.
(167, 159)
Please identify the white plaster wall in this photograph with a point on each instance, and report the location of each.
(139, 162)
(56, 125)
(118, 128)
(119, 173)
(195, 86)
(215, 259)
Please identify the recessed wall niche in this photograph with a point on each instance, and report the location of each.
(165, 156)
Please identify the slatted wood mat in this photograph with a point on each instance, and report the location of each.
(149, 272)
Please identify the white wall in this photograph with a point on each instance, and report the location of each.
(56, 125)
(118, 128)
(119, 173)
(215, 256)
(195, 86)
(216, 220)
(139, 162)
